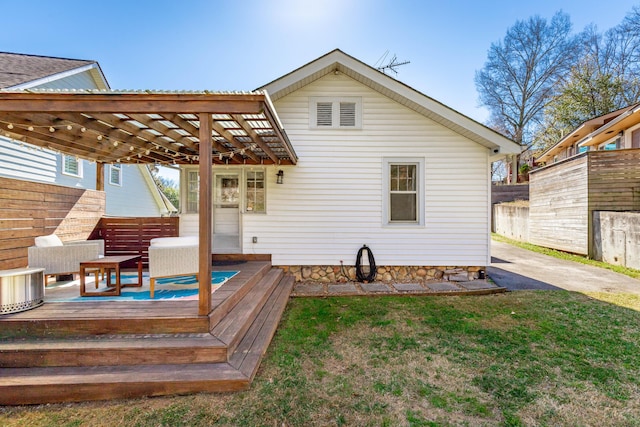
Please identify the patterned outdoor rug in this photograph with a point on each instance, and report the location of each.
(169, 288)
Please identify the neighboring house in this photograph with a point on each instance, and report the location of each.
(592, 172)
(614, 131)
(379, 163)
(130, 189)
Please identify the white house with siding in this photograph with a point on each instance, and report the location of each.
(130, 189)
(379, 163)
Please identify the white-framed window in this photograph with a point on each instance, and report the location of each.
(335, 112)
(72, 166)
(115, 175)
(255, 197)
(403, 192)
(192, 191)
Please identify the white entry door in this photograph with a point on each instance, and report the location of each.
(226, 212)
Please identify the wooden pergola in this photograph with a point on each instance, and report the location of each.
(203, 128)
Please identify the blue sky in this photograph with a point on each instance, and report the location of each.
(241, 45)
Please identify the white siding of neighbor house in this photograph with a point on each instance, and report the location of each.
(27, 162)
(75, 81)
(331, 202)
(133, 198)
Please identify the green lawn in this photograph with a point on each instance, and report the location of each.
(549, 358)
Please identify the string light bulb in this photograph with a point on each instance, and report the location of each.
(52, 129)
(10, 126)
(69, 127)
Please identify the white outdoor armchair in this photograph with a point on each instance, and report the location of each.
(172, 256)
(59, 258)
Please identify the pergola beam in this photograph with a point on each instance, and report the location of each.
(137, 102)
(232, 140)
(165, 130)
(255, 137)
(205, 220)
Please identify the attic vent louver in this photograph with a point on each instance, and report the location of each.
(348, 114)
(323, 116)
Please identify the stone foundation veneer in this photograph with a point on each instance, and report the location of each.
(336, 273)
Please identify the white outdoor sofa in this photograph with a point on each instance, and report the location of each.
(58, 258)
(172, 256)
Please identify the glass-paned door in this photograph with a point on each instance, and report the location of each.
(226, 213)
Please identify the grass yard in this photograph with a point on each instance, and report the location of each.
(549, 358)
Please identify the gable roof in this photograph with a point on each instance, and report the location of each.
(21, 71)
(337, 60)
(595, 131)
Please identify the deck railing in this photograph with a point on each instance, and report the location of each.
(131, 236)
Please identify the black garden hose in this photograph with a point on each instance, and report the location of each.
(360, 274)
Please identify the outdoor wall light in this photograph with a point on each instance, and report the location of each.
(279, 176)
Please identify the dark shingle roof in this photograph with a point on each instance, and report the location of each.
(17, 68)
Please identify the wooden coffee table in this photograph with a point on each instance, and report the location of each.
(105, 265)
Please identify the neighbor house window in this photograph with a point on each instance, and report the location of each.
(255, 193)
(635, 139)
(335, 113)
(403, 192)
(193, 188)
(72, 166)
(115, 175)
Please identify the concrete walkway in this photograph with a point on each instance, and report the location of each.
(519, 269)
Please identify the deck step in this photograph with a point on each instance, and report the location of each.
(25, 386)
(82, 367)
(112, 350)
(249, 352)
(233, 292)
(234, 325)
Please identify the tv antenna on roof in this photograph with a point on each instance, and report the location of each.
(391, 65)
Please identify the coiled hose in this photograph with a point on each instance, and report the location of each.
(369, 276)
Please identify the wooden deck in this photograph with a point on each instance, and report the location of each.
(77, 351)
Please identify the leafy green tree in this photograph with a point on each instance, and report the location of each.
(170, 189)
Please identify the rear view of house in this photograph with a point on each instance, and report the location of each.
(379, 164)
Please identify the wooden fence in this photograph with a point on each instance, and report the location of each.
(565, 195)
(29, 209)
(131, 236)
(558, 206)
(509, 193)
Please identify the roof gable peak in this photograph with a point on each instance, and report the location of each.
(339, 61)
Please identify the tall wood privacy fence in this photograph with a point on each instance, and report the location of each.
(509, 193)
(131, 236)
(565, 196)
(29, 209)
